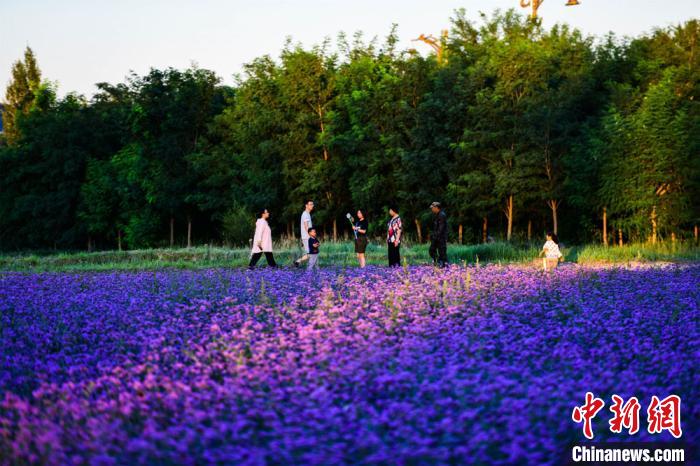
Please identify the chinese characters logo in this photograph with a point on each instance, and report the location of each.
(661, 415)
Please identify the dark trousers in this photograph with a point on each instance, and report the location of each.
(256, 257)
(438, 251)
(394, 255)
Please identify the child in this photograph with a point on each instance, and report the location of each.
(551, 252)
(313, 249)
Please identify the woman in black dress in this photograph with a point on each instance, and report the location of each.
(360, 228)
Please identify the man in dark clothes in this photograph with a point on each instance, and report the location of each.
(438, 236)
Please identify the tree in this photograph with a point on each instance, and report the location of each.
(104, 210)
(20, 94)
(510, 73)
(243, 166)
(650, 179)
(374, 116)
(647, 182)
(43, 173)
(538, 124)
(171, 112)
(307, 91)
(558, 109)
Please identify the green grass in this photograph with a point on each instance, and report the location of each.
(340, 253)
(643, 252)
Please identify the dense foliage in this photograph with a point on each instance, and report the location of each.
(517, 129)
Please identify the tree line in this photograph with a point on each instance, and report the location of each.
(516, 129)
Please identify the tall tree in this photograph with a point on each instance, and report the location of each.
(244, 164)
(307, 91)
(558, 109)
(171, 112)
(650, 180)
(370, 127)
(42, 176)
(510, 72)
(20, 94)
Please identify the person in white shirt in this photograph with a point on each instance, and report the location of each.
(305, 225)
(262, 241)
(550, 251)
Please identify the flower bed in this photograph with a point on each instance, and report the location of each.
(477, 365)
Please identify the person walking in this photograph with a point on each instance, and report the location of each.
(438, 237)
(393, 237)
(262, 241)
(360, 228)
(305, 225)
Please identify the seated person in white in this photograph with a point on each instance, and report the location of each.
(550, 251)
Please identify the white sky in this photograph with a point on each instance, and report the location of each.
(81, 42)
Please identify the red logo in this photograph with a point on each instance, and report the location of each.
(661, 415)
(626, 415)
(665, 415)
(587, 412)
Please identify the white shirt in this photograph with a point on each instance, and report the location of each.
(305, 217)
(551, 250)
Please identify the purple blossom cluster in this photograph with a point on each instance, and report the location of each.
(464, 365)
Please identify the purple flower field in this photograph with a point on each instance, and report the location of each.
(475, 365)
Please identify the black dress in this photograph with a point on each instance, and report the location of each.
(361, 240)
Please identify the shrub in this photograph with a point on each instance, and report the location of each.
(237, 226)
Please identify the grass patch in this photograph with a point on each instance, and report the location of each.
(339, 254)
(644, 252)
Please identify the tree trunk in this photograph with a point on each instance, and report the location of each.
(619, 236)
(509, 216)
(529, 230)
(485, 230)
(335, 229)
(605, 226)
(418, 231)
(319, 111)
(89, 244)
(673, 240)
(172, 231)
(461, 230)
(695, 233)
(189, 231)
(554, 205)
(119, 240)
(653, 225)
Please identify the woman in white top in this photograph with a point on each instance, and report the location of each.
(262, 241)
(550, 251)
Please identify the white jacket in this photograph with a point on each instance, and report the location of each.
(262, 240)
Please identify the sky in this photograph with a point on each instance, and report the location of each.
(82, 42)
